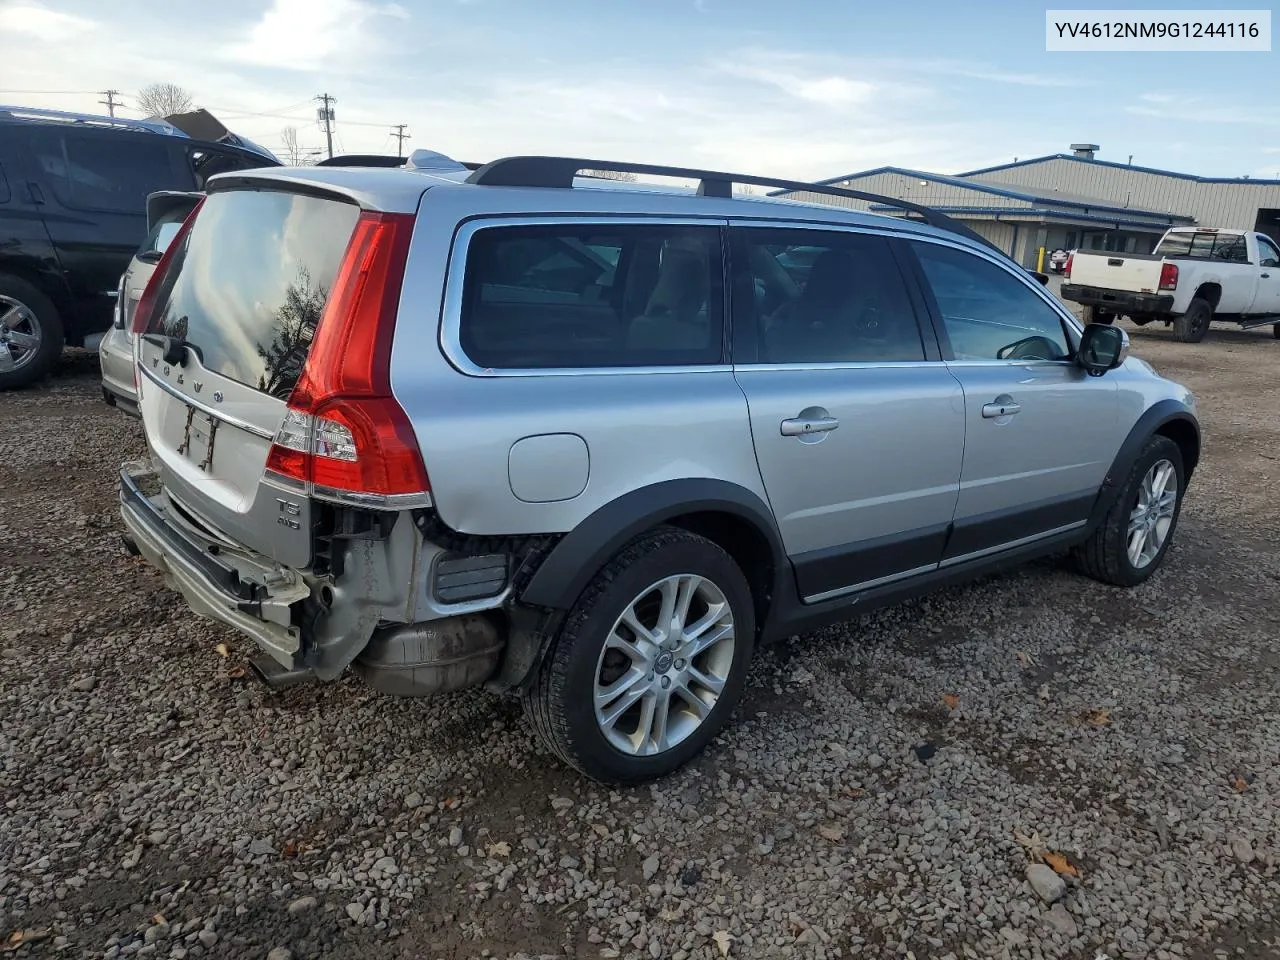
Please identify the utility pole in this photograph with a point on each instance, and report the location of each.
(110, 103)
(401, 137)
(325, 115)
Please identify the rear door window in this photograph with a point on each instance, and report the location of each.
(110, 174)
(251, 279)
(826, 297)
(593, 295)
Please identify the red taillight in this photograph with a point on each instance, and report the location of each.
(344, 431)
(147, 302)
(1169, 276)
(1066, 270)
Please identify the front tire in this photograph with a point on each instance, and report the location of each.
(30, 333)
(1191, 326)
(650, 661)
(1130, 543)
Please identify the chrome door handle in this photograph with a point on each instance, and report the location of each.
(1006, 409)
(800, 426)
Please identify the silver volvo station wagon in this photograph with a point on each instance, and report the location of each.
(594, 443)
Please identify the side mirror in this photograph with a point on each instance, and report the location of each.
(1103, 347)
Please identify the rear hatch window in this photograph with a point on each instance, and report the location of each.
(248, 286)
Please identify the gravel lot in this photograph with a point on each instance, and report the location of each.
(868, 801)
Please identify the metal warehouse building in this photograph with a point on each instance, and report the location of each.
(1072, 201)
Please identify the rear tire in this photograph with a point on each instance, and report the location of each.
(30, 333)
(597, 696)
(1275, 330)
(1144, 516)
(1191, 326)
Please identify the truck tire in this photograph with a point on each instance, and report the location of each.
(624, 694)
(1129, 544)
(30, 333)
(1275, 330)
(1099, 315)
(1191, 326)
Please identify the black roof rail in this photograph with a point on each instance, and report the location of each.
(362, 160)
(560, 172)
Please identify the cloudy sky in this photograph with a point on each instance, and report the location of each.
(811, 88)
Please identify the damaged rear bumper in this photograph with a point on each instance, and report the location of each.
(250, 594)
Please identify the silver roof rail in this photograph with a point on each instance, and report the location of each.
(561, 171)
(89, 119)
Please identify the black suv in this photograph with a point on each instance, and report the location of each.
(73, 192)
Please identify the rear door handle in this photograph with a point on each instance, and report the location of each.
(1006, 409)
(800, 426)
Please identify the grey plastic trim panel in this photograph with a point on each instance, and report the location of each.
(205, 408)
(869, 584)
(1011, 544)
(451, 313)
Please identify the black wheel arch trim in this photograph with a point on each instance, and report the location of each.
(574, 560)
(1159, 416)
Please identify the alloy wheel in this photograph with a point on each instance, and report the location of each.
(664, 665)
(1152, 516)
(20, 334)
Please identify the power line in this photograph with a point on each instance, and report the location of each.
(110, 103)
(327, 117)
(400, 136)
(54, 93)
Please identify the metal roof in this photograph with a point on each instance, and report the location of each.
(1117, 166)
(1020, 213)
(1054, 198)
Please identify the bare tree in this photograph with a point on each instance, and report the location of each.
(292, 152)
(611, 175)
(163, 100)
(745, 189)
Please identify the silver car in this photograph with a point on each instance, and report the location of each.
(595, 443)
(165, 212)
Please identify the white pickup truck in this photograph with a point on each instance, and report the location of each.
(1196, 275)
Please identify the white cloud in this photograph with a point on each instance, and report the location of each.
(313, 35)
(993, 75)
(1199, 110)
(38, 21)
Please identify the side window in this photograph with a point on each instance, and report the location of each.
(1230, 247)
(112, 174)
(162, 234)
(206, 162)
(1268, 253)
(989, 314)
(826, 297)
(593, 295)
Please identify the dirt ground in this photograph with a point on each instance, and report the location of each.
(868, 799)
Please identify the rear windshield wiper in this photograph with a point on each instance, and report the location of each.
(175, 349)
